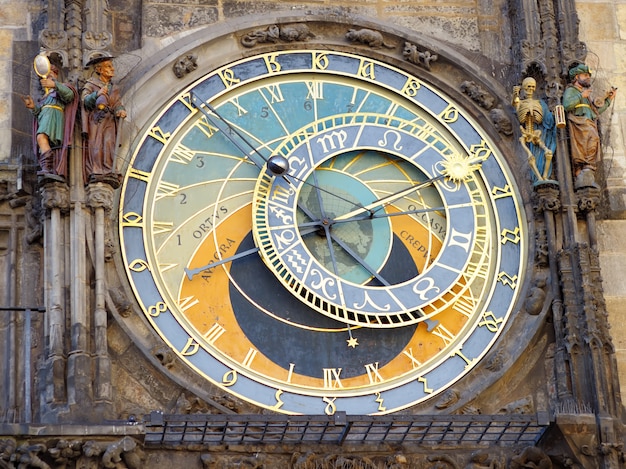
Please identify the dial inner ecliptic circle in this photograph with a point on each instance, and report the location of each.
(370, 238)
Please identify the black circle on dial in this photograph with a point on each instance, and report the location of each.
(282, 342)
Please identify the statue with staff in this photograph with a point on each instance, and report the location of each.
(102, 112)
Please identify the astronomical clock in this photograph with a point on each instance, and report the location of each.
(318, 232)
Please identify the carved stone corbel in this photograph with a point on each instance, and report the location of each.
(100, 195)
(546, 198)
(579, 431)
(588, 198)
(411, 53)
(368, 37)
(55, 195)
(478, 94)
(184, 65)
(274, 33)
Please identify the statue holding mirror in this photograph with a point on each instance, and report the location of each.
(54, 114)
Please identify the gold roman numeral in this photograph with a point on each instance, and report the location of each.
(182, 154)
(247, 362)
(373, 374)
(332, 378)
(185, 303)
(139, 174)
(166, 189)
(215, 332)
(159, 227)
(158, 134)
(203, 126)
(444, 334)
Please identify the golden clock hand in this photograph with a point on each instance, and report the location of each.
(387, 199)
(201, 105)
(358, 258)
(276, 169)
(192, 272)
(318, 192)
(279, 169)
(386, 215)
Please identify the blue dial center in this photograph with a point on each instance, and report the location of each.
(329, 194)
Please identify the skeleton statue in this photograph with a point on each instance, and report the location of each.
(538, 129)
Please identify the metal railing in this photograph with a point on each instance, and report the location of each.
(428, 430)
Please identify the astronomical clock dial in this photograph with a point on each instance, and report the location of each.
(318, 232)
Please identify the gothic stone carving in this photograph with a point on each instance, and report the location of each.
(185, 64)
(274, 33)
(423, 58)
(588, 198)
(368, 37)
(125, 453)
(479, 95)
(501, 121)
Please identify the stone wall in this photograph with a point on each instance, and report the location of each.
(603, 29)
(18, 19)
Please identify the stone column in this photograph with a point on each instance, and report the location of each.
(79, 372)
(100, 199)
(55, 201)
(96, 36)
(549, 204)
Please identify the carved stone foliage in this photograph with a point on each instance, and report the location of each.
(546, 198)
(495, 362)
(100, 195)
(97, 41)
(478, 94)
(275, 33)
(501, 121)
(314, 461)
(541, 247)
(368, 37)
(533, 53)
(125, 453)
(413, 54)
(53, 40)
(55, 195)
(588, 198)
(449, 398)
(531, 456)
(165, 356)
(210, 461)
